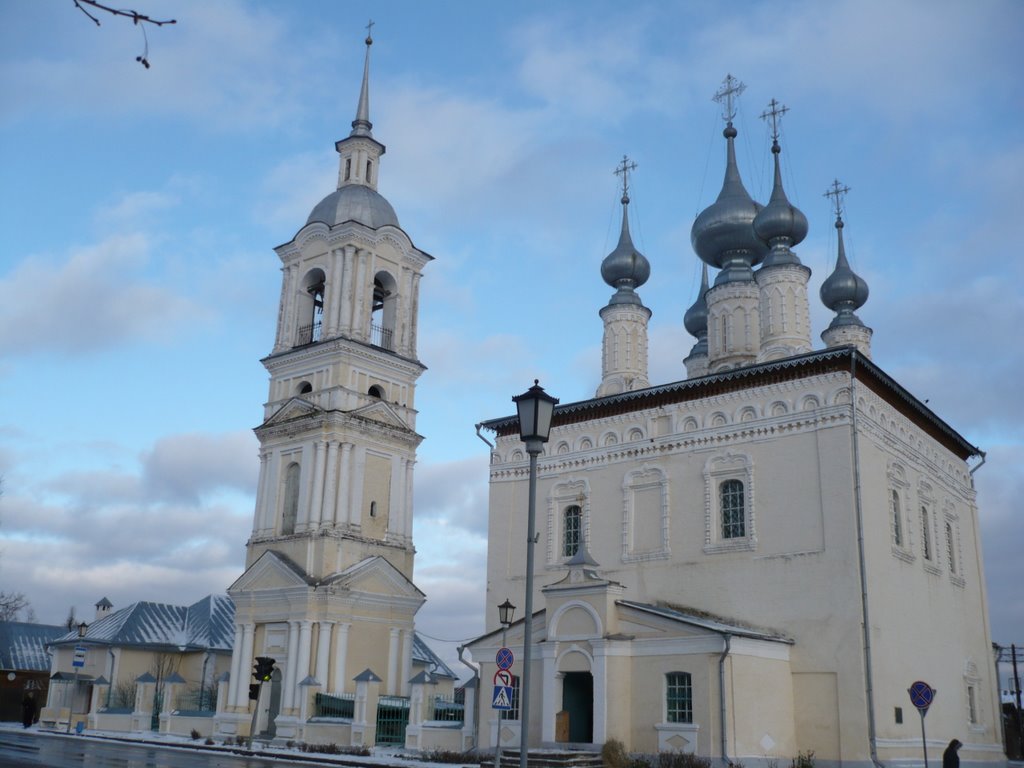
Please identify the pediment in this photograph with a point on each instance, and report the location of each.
(293, 409)
(270, 572)
(382, 412)
(376, 576)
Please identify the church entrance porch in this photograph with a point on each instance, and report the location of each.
(578, 703)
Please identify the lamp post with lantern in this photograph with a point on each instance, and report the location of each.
(78, 662)
(535, 408)
(505, 612)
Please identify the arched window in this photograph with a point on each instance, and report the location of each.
(730, 494)
(382, 319)
(290, 508)
(573, 530)
(897, 525)
(348, 168)
(376, 391)
(310, 316)
(304, 388)
(373, 509)
(369, 169)
(926, 538)
(950, 553)
(678, 698)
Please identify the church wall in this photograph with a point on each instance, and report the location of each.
(757, 730)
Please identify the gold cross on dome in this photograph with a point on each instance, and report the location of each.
(728, 93)
(623, 169)
(837, 192)
(774, 113)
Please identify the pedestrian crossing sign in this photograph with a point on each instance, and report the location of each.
(502, 698)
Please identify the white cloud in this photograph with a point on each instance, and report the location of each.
(94, 299)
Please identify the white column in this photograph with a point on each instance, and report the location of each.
(330, 490)
(547, 707)
(271, 493)
(323, 653)
(409, 465)
(393, 661)
(288, 697)
(242, 683)
(305, 651)
(333, 297)
(236, 666)
(340, 656)
(396, 507)
(414, 302)
(317, 499)
(348, 259)
(359, 317)
(355, 510)
(342, 513)
(308, 457)
(259, 519)
(406, 661)
(600, 673)
(290, 323)
(282, 310)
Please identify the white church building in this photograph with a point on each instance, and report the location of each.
(760, 559)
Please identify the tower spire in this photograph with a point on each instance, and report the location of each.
(362, 126)
(844, 291)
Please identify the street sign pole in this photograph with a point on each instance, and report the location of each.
(924, 741)
(921, 696)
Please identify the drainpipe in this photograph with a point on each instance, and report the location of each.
(476, 699)
(478, 426)
(721, 695)
(110, 688)
(869, 691)
(202, 679)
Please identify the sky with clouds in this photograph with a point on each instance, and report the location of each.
(138, 288)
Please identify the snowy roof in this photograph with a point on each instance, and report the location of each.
(705, 621)
(205, 625)
(422, 654)
(23, 645)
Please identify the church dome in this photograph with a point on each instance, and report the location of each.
(354, 202)
(844, 291)
(780, 224)
(625, 268)
(727, 225)
(696, 318)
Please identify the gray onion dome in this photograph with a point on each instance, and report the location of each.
(843, 291)
(723, 234)
(354, 202)
(696, 318)
(780, 224)
(625, 268)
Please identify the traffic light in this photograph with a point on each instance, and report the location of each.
(263, 668)
(254, 691)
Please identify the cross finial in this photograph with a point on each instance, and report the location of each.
(837, 192)
(774, 113)
(623, 169)
(369, 32)
(728, 93)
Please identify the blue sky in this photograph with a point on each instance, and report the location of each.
(138, 288)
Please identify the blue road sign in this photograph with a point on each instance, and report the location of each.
(504, 658)
(79, 660)
(502, 698)
(921, 695)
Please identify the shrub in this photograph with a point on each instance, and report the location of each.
(195, 734)
(803, 760)
(448, 756)
(613, 754)
(669, 760)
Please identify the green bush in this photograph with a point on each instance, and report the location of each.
(447, 756)
(803, 760)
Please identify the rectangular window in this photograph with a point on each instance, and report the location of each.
(733, 513)
(950, 550)
(926, 539)
(972, 708)
(899, 715)
(678, 698)
(573, 531)
(897, 525)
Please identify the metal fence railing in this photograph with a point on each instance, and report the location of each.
(334, 705)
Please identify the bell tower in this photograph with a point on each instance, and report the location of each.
(328, 591)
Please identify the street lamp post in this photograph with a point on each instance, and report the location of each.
(505, 612)
(74, 688)
(535, 408)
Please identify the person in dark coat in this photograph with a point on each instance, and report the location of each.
(950, 758)
(28, 710)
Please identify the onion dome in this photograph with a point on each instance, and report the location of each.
(780, 224)
(625, 268)
(696, 318)
(843, 291)
(723, 234)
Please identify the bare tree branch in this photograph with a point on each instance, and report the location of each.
(139, 19)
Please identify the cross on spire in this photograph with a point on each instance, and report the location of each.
(369, 32)
(774, 113)
(837, 192)
(623, 169)
(728, 93)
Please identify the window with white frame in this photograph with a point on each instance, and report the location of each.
(290, 497)
(897, 521)
(678, 698)
(729, 518)
(926, 537)
(645, 515)
(572, 530)
(950, 548)
(901, 525)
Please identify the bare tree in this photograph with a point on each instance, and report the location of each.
(11, 604)
(164, 665)
(138, 19)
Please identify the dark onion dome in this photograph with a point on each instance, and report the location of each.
(696, 318)
(843, 291)
(354, 202)
(780, 224)
(723, 234)
(625, 268)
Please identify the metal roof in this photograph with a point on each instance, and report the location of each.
(845, 358)
(422, 653)
(706, 621)
(23, 645)
(205, 625)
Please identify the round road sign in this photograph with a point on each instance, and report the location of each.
(921, 694)
(504, 658)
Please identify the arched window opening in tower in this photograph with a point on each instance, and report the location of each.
(311, 308)
(376, 391)
(304, 388)
(382, 320)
